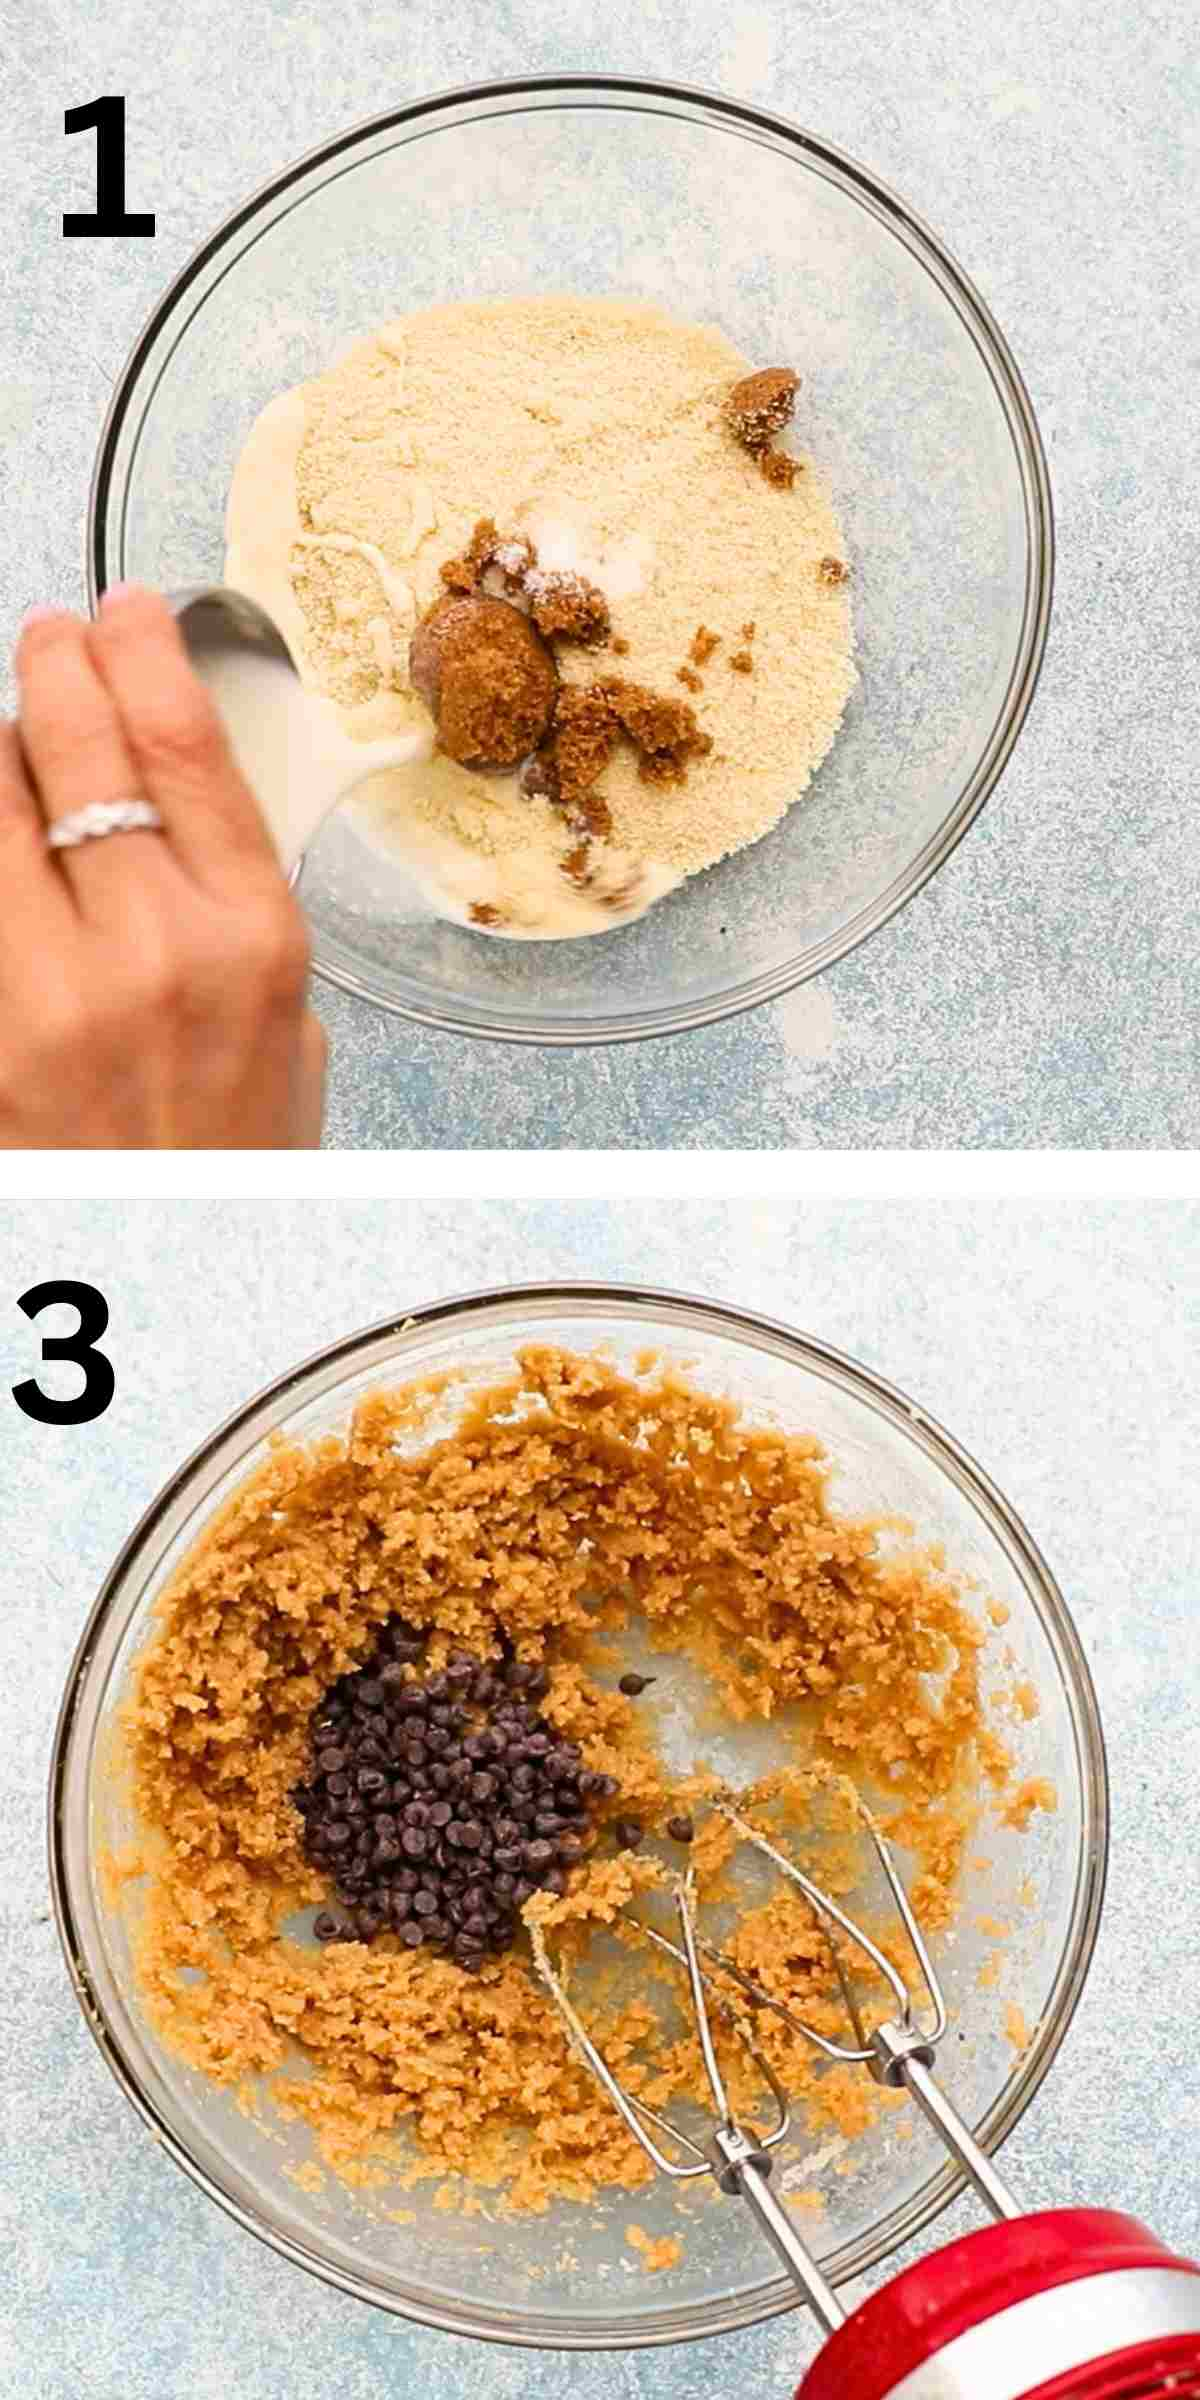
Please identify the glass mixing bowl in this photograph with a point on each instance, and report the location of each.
(568, 2279)
(912, 404)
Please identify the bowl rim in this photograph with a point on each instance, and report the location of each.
(559, 1032)
(675, 1311)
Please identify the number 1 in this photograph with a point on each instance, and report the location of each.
(108, 117)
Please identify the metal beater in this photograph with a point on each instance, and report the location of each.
(1006, 2314)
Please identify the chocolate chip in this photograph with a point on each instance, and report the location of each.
(386, 1747)
(628, 1833)
(328, 1928)
(634, 1685)
(681, 1829)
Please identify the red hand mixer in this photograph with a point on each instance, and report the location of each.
(1066, 2304)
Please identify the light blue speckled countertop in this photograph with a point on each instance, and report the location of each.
(1060, 1346)
(1041, 990)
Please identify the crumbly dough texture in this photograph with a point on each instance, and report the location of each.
(599, 413)
(566, 1502)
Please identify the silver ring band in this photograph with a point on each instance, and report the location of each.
(102, 817)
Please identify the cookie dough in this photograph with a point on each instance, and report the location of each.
(565, 1505)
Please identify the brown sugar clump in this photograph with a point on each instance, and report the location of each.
(704, 642)
(742, 662)
(780, 468)
(664, 732)
(465, 573)
(760, 406)
(568, 605)
(482, 913)
(584, 735)
(591, 814)
(688, 675)
(560, 602)
(748, 631)
(833, 571)
(576, 866)
(589, 719)
(487, 677)
(620, 645)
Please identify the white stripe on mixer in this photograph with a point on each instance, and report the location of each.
(1077, 2325)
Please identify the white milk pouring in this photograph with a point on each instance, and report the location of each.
(288, 742)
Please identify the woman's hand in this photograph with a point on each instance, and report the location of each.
(152, 984)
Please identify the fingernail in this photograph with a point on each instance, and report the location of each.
(118, 593)
(38, 614)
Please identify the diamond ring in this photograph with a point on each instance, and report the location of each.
(102, 817)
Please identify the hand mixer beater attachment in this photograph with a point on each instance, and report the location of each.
(1065, 2304)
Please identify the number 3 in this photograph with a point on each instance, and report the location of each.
(99, 1382)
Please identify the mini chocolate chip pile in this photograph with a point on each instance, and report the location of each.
(439, 1804)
